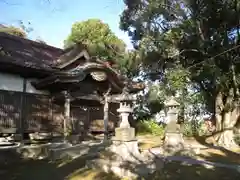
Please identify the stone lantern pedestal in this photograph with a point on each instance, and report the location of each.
(124, 134)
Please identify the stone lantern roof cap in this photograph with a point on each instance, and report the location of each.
(171, 102)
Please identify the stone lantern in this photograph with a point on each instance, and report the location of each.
(173, 140)
(125, 132)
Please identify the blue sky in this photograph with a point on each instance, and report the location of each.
(52, 19)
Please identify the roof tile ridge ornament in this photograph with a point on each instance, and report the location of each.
(127, 82)
(107, 65)
(113, 70)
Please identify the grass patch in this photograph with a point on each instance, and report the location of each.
(209, 154)
(149, 141)
(149, 127)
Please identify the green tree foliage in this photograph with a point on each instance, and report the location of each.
(99, 38)
(129, 63)
(201, 37)
(13, 31)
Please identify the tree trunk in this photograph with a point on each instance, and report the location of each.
(218, 115)
(225, 121)
(226, 135)
(182, 106)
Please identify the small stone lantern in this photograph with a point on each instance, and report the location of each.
(125, 132)
(173, 140)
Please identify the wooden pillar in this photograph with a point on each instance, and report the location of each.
(66, 122)
(106, 117)
(106, 112)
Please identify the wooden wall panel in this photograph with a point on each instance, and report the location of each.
(40, 114)
(57, 117)
(37, 110)
(10, 111)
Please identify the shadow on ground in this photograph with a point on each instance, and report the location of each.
(17, 168)
(75, 169)
(217, 153)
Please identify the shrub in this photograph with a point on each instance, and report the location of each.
(187, 129)
(145, 127)
(191, 129)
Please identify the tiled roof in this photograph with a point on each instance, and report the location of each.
(27, 53)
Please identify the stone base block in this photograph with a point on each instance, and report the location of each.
(126, 150)
(13, 137)
(127, 169)
(39, 151)
(173, 142)
(125, 134)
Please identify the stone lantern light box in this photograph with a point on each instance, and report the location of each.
(172, 109)
(171, 104)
